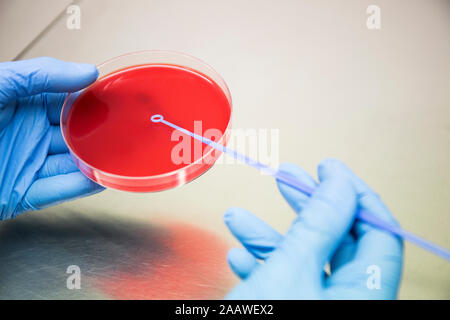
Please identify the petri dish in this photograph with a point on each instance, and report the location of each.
(111, 138)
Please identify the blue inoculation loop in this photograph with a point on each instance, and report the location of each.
(362, 215)
(156, 118)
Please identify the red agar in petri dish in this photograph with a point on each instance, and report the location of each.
(113, 141)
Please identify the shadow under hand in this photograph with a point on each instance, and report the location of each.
(119, 259)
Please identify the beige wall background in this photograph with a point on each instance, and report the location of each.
(378, 100)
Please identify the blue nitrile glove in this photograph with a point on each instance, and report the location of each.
(364, 262)
(35, 169)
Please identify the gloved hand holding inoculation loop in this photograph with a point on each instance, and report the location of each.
(326, 230)
(36, 170)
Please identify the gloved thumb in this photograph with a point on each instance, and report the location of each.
(25, 78)
(326, 218)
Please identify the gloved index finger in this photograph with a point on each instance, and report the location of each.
(296, 199)
(367, 198)
(328, 216)
(25, 78)
(372, 246)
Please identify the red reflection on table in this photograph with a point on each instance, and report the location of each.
(189, 264)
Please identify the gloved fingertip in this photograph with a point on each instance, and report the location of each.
(71, 76)
(295, 198)
(295, 171)
(330, 167)
(233, 253)
(88, 69)
(238, 219)
(230, 214)
(298, 173)
(241, 262)
(227, 216)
